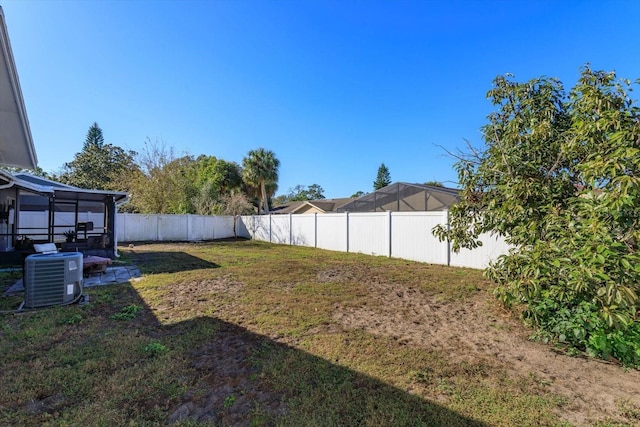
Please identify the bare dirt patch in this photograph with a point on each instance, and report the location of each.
(234, 394)
(476, 329)
(198, 297)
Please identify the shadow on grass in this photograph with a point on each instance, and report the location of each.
(154, 262)
(250, 379)
(113, 360)
(270, 383)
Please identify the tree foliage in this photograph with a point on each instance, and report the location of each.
(164, 182)
(260, 173)
(383, 178)
(559, 178)
(301, 193)
(98, 166)
(159, 181)
(214, 179)
(38, 171)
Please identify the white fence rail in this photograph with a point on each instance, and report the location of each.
(405, 235)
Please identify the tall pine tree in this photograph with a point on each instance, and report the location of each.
(98, 166)
(383, 179)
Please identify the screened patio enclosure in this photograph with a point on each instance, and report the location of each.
(37, 210)
(404, 197)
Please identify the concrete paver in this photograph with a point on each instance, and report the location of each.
(111, 276)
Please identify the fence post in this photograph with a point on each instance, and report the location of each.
(315, 229)
(448, 246)
(291, 229)
(270, 229)
(124, 228)
(390, 234)
(347, 217)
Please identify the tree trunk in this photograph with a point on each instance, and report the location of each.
(265, 202)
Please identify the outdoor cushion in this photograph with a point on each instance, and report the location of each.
(45, 248)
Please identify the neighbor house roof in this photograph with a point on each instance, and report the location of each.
(404, 197)
(16, 145)
(311, 206)
(45, 186)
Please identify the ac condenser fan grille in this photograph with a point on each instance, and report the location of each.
(53, 279)
(45, 287)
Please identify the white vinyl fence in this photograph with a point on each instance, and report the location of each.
(158, 228)
(405, 235)
(34, 224)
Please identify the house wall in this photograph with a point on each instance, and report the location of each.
(308, 209)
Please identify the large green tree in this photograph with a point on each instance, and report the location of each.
(559, 178)
(98, 165)
(164, 183)
(214, 179)
(383, 178)
(301, 192)
(260, 171)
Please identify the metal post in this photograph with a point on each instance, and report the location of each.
(51, 220)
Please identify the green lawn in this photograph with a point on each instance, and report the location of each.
(246, 333)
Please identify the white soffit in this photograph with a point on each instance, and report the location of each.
(16, 145)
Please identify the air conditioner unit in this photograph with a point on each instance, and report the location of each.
(52, 279)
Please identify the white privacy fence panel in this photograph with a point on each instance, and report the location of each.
(411, 237)
(406, 235)
(303, 230)
(492, 247)
(172, 227)
(136, 228)
(35, 224)
(140, 227)
(245, 227)
(281, 229)
(200, 227)
(332, 232)
(222, 227)
(258, 227)
(369, 233)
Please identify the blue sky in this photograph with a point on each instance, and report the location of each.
(333, 88)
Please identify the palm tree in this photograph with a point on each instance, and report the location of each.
(260, 170)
